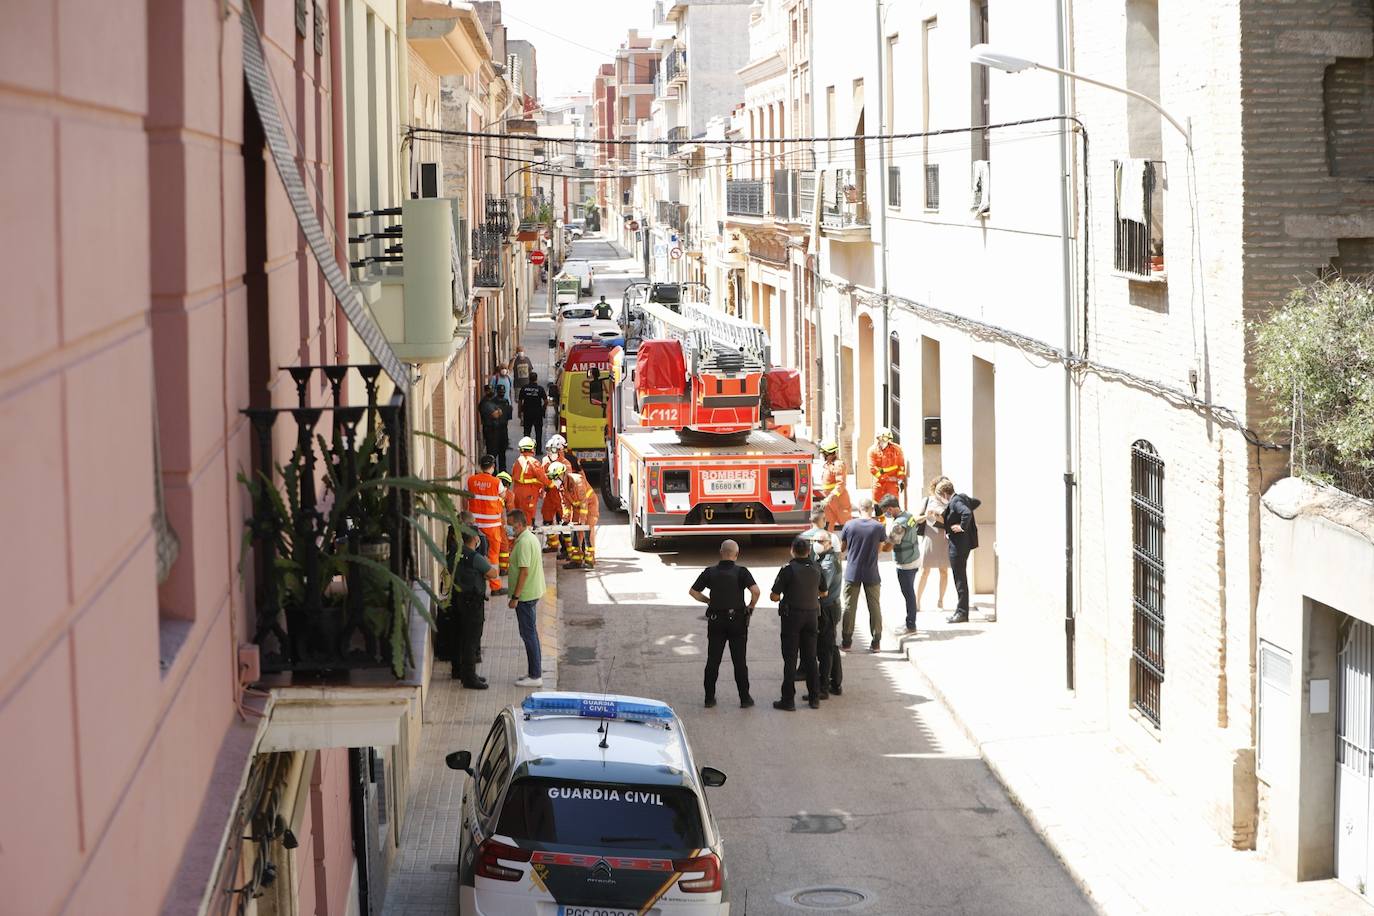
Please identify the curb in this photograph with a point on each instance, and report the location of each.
(549, 623)
(1040, 827)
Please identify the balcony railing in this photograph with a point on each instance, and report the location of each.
(845, 204)
(746, 197)
(381, 240)
(675, 66)
(530, 210)
(486, 257)
(677, 135)
(498, 215)
(332, 545)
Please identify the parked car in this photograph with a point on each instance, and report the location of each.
(588, 805)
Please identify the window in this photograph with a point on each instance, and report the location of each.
(1138, 233)
(829, 122)
(1276, 675)
(932, 187)
(927, 43)
(894, 386)
(493, 768)
(607, 816)
(894, 186)
(890, 91)
(1147, 535)
(980, 104)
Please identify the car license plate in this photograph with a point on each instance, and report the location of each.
(594, 911)
(727, 485)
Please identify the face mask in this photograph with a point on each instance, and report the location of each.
(510, 530)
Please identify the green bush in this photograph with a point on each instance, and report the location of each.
(1315, 356)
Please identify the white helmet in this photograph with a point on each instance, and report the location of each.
(555, 444)
(884, 433)
(527, 444)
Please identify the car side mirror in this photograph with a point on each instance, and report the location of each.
(712, 777)
(462, 760)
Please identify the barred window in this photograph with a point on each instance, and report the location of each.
(894, 386)
(1147, 562)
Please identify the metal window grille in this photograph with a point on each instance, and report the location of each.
(1147, 534)
(745, 197)
(1275, 686)
(932, 187)
(1354, 728)
(1139, 246)
(894, 185)
(894, 386)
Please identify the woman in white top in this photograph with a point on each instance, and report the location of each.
(935, 549)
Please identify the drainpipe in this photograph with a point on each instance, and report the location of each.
(338, 128)
(882, 208)
(1066, 244)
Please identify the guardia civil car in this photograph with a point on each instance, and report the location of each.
(588, 805)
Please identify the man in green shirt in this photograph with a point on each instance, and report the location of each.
(526, 588)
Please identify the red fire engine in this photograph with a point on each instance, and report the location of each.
(695, 443)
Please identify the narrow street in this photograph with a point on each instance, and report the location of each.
(876, 803)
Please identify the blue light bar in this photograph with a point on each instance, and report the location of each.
(595, 707)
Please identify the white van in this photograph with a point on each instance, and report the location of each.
(580, 268)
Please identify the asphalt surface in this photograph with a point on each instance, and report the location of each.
(874, 804)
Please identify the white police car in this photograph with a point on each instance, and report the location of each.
(588, 805)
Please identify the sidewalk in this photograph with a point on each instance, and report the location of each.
(1127, 840)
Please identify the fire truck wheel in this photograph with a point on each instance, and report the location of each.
(613, 502)
(637, 540)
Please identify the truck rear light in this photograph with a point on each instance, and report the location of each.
(782, 480)
(491, 854)
(700, 875)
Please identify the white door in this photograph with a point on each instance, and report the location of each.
(1354, 730)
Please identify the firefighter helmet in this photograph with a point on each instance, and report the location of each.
(527, 444)
(829, 447)
(884, 433)
(505, 478)
(556, 444)
(556, 470)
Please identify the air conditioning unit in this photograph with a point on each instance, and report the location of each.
(981, 188)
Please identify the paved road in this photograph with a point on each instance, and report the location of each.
(877, 793)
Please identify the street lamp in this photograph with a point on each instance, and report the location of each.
(988, 56)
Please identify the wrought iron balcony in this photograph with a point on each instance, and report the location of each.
(498, 215)
(532, 212)
(677, 135)
(845, 204)
(486, 257)
(675, 66)
(746, 197)
(332, 553)
(380, 242)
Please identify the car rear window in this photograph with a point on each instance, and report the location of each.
(603, 815)
(579, 312)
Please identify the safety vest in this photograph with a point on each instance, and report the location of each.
(485, 502)
(883, 462)
(528, 471)
(833, 477)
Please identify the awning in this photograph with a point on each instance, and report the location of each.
(359, 315)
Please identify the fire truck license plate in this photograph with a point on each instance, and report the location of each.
(727, 483)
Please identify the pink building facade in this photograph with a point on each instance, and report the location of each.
(160, 284)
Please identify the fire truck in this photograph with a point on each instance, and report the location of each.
(693, 442)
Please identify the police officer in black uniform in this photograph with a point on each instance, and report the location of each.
(727, 618)
(602, 309)
(533, 401)
(798, 589)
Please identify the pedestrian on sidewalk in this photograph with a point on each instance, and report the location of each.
(534, 400)
(467, 609)
(904, 535)
(829, 664)
(934, 544)
(962, 530)
(503, 385)
(722, 589)
(602, 310)
(798, 589)
(492, 415)
(522, 368)
(862, 539)
(526, 590)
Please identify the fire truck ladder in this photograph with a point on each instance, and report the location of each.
(714, 341)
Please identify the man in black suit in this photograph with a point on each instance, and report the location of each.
(962, 530)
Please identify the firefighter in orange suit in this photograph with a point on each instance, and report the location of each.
(530, 479)
(552, 510)
(584, 507)
(834, 491)
(887, 464)
(507, 504)
(486, 507)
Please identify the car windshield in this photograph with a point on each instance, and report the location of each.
(606, 815)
